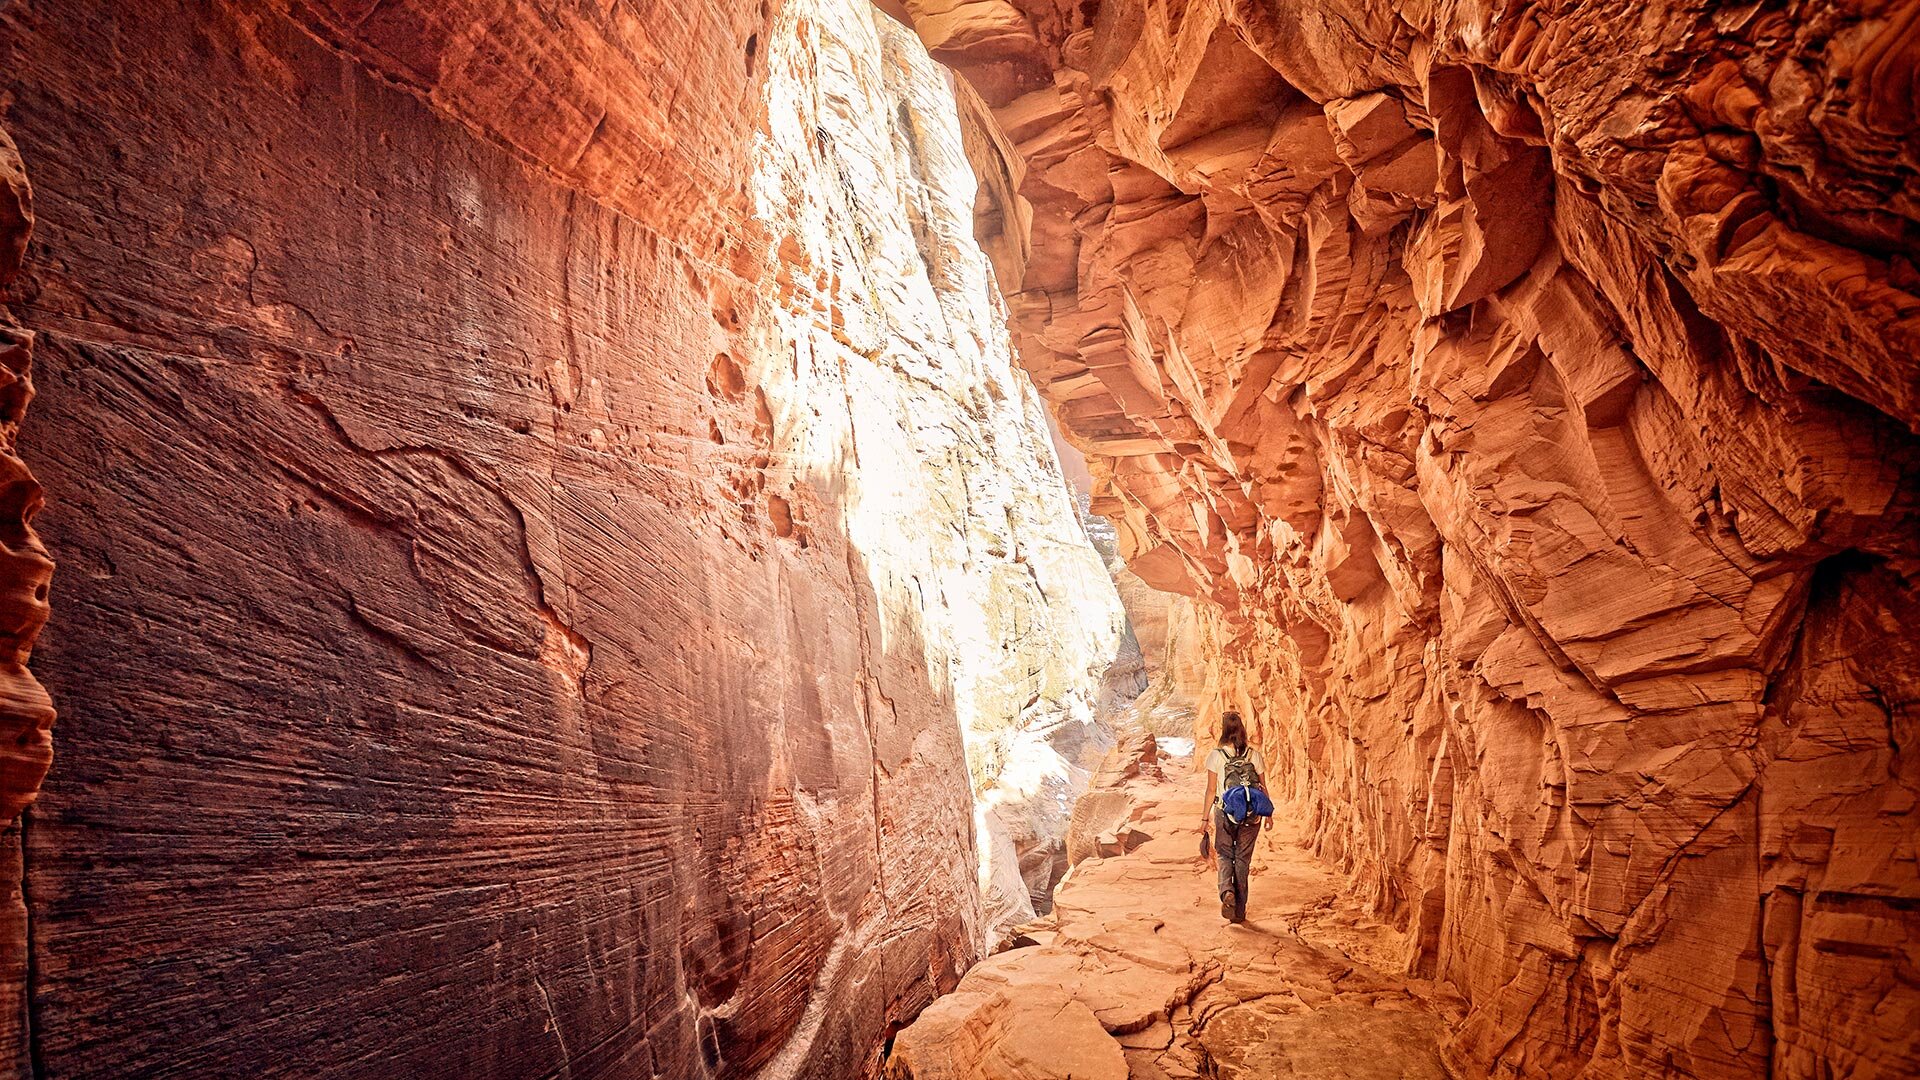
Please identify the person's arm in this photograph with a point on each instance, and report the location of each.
(1206, 821)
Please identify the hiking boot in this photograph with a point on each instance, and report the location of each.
(1227, 907)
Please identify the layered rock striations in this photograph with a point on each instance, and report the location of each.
(535, 487)
(1526, 396)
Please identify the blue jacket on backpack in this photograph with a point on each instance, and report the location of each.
(1240, 800)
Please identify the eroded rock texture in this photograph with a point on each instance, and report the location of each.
(26, 713)
(532, 483)
(1528, 394)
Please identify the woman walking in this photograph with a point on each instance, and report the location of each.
(1232, 766)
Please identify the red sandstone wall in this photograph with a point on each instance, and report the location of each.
(440, 695)
(1528, 392)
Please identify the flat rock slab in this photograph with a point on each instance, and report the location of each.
(1065, 1043)
(1338, 1042)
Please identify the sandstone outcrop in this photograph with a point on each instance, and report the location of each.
(1136, 975)
(546, 518)
(1159, 696)
(1526, 395)
(26, 713)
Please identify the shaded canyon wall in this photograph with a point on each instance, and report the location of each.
(530, 484)
(1525, 396)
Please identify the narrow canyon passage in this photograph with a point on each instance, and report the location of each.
(1133, 974)
(614, 538)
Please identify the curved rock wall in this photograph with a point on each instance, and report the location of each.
(532, 484)
(1527, 392)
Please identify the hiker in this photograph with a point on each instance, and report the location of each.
(1236, 802)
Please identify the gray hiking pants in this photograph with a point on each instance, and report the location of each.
(1233, 844)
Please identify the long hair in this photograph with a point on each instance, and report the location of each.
(1232, 732)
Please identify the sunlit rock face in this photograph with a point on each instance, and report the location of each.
(1526, 398)
(962, 511)
(546, 519)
